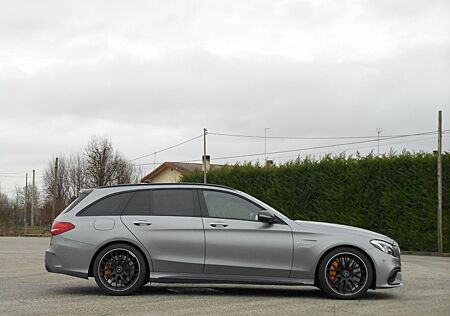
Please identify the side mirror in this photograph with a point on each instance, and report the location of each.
(266, 216)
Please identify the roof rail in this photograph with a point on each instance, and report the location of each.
(168, 184)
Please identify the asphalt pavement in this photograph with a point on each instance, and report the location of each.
(27, 289)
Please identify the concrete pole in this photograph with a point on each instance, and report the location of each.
(205, 131)
(265, 144)
(55, 186)
(439, 183)
(32, 199)
(25, 220)
(379, 131)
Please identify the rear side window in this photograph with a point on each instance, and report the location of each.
(175, 203)
(76, 201)
(139, 204)
(110, 206)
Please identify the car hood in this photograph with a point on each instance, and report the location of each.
(342, 229)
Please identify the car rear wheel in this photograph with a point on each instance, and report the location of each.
(345, 273)
(120, 269)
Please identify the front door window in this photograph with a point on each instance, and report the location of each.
(225, 205)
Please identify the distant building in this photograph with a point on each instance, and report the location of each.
(171, 172)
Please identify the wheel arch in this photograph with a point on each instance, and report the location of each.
(374, 279)
(91, 263)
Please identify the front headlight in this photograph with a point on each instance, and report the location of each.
(383, 246)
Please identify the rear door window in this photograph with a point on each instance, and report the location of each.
(175, 202)
(139, 204)
(111, 205)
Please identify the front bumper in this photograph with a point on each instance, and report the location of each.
(387, 269)
(395, 278)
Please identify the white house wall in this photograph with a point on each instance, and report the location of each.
(167, 176)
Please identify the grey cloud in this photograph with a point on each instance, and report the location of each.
(151, 74)
(195, 88)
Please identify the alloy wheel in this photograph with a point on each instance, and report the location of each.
(119, 269)
(346, 274)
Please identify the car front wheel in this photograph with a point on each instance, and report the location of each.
(120, 269)
(345, 273)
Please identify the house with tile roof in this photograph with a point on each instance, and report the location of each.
(171, 172)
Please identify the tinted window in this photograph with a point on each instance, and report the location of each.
(225, 205)
(111, 205)
(139, 204)
(175, 203)
(76, 201)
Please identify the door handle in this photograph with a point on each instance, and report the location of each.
(218, 225)
(142, 223)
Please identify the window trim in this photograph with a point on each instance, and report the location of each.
(198, 209)
(201, 211)
(205, 212)
(80, 213)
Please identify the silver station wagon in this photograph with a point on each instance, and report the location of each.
(129, 235)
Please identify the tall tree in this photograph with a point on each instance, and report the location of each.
(99, 165)
(62, 182)
(6, 207)
(104, 165)
(76, 172)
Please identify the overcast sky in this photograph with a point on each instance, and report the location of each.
(150, 74)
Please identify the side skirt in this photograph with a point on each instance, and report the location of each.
(166, 277)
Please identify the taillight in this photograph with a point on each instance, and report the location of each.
(61, 227)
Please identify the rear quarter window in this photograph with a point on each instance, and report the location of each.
(76, 201)
(111, 205)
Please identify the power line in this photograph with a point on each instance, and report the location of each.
(374, 139)
(167, 148)
(308, 137)
(152, 163)
(325, 146)
(10, 176)
(7, 192)
(5, 175)
(357, 148)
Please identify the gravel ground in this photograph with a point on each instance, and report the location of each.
(26, 288)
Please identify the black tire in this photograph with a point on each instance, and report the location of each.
(120, 269)
(345, 273)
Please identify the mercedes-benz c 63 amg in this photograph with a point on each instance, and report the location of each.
(126, 236)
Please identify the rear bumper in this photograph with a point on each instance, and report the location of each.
(69, 257)
(52, 264)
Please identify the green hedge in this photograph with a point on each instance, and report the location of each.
(394, 195)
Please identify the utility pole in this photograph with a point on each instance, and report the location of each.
(265, 143)
(32, 200)
(205, 131)
(25, 220)
(379, 131)
(439, 184)
(16, 207)
(55, 189)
